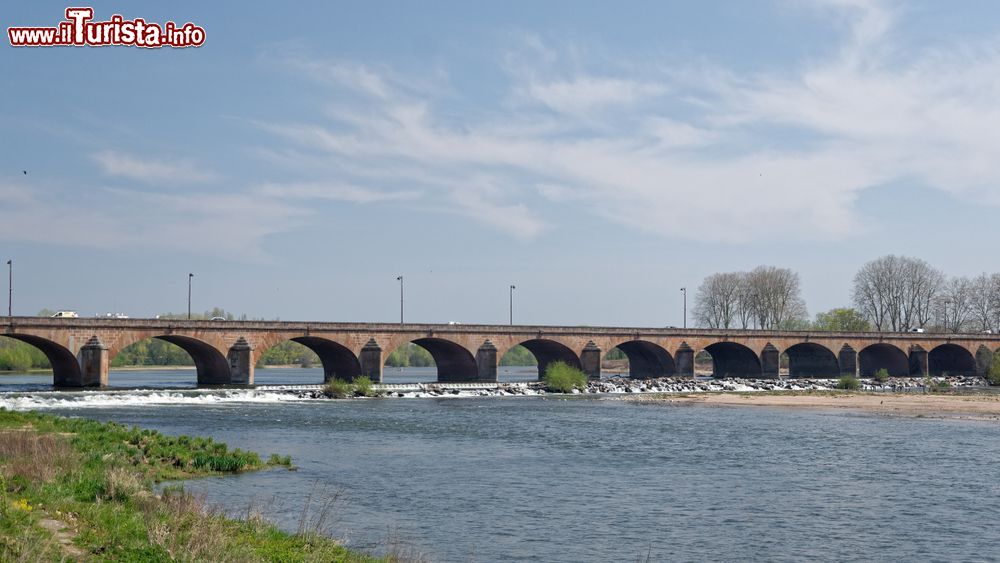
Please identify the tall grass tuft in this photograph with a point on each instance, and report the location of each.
(363, 386)
(28, 455)
(848, 382)
(338, 389)
(561, 377)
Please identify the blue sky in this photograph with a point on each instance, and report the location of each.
(599, 157)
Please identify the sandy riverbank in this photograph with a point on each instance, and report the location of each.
(964, 406)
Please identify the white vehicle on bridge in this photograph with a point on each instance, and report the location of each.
(65, 315)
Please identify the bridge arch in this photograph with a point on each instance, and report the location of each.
(883, 356)
(730, 359)
(65, 365)
(211, 365)
(808, 359)
(454, 362)
(647, 360)
(338, 361)
(951, 359)
(547, 351)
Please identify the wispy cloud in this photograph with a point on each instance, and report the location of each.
(590, 93)
(208, 223)
(701, 153)
(334, 192)
(152, 170)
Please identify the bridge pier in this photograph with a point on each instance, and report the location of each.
(984, 361)
(371, 361)
(769, 362)
(241, 363)
(590, 360)
(848, 360)
(684, 360)
(94, 363)
(918, 361)
(486, 361)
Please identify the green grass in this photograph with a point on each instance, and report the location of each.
(882, 375)
(96, 479)
(561, 377)
(338, 389)
(362, 386)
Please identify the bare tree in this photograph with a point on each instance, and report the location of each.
(745, 301)
(717, 299)
(954, 308)
(775, 296)
(897, 292)
(983, 302)
(767, 297)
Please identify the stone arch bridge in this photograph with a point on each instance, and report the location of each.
(224, 352)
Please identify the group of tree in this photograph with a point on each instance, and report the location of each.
(288, 353)
(898, 293)
(765, 297)
(409, 355)
(18, 356)
(891, 293)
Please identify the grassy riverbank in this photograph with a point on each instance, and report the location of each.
(78, 489)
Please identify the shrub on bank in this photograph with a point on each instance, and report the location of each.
(848, 382)
(561, 377)
(993, 376)
(363, 386)
(338, 389)
(882, 375)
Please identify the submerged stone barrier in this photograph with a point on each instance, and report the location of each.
(623, 385)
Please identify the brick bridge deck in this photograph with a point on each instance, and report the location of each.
(224, 352)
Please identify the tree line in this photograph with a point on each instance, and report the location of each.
(891, 293)
(899, 293)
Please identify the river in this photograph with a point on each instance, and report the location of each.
(585, 479)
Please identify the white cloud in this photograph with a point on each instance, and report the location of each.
(590, 93)
(151, 170)
(334, 192)
(699, 153)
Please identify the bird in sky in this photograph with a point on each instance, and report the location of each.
(25, 172)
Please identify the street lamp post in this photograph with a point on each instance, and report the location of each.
(10, 288)
(400, 278)
(512, 288)
(684, 290)
(190, 276)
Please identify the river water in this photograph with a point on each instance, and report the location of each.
(586, 479)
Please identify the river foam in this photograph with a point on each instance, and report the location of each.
(102, 399)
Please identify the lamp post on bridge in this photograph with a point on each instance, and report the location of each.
(684, 290)
(190, 276)
(400, 278)
(512, 288)
(10, 288)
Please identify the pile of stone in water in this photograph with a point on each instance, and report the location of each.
(687, 385)
(616, 385)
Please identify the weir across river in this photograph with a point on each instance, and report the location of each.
(224, 352)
